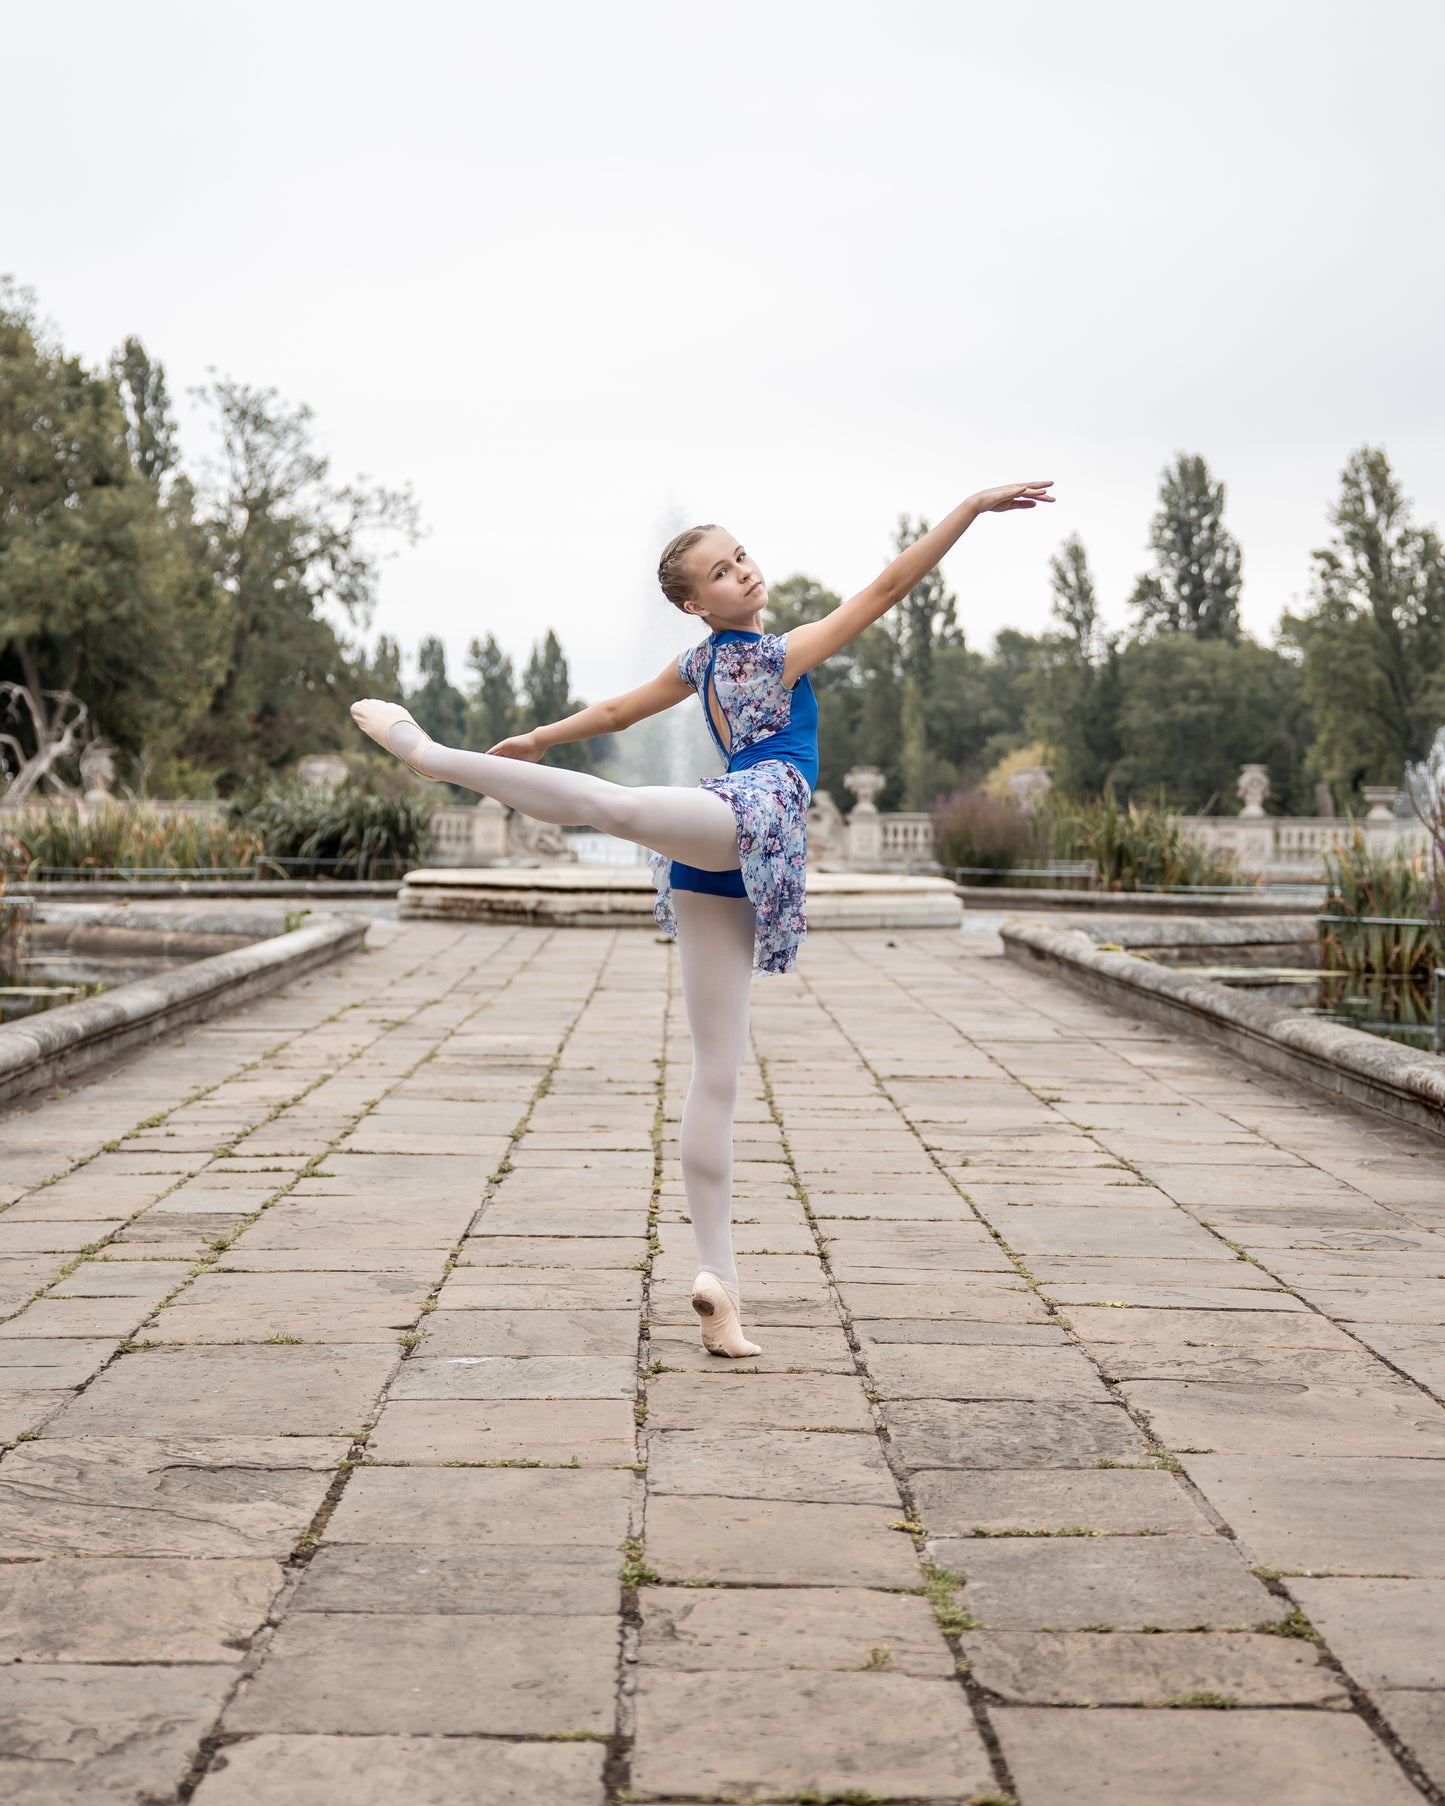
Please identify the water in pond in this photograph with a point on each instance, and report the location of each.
(24, 993)
(1397, 1009)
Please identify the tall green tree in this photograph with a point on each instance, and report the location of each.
(1191, 711)
(1194, 585)
(547, 693)
(437, 704)
(295, 554)
(492, 712)
(106, 617)
(150, 425)
(1373, 639)
(1073, 687)
(380, 674)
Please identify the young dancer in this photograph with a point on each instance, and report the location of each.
(730, 856)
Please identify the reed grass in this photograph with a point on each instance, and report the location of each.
(353, 832)
(65, 837)
(1135, 846)
(1385, 910)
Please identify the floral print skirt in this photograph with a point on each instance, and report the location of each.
(770, 801)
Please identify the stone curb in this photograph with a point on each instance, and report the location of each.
(158, 889)
(1129, 902)
(1381, 1075)
(42, 1050)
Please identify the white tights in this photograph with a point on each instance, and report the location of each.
(715, 941)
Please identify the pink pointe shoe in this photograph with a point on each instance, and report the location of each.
(722, 1327)
(381, 719)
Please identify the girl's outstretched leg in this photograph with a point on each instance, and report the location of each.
(691, 825)
(715, 941)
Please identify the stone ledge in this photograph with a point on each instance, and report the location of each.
(1364, 1069)
(58, 1044)
(1144, 903)
(609, 897)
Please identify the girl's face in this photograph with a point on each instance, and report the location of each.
(727, 587)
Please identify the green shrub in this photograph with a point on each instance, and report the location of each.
(972, 828)
(1140, 846)
(353, 832)
(63, 837)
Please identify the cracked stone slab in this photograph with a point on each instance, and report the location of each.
(594, 1432)
(789, 1349)
(120, 1610)
(769, 1464)
(845, 1629)
(728, 1400)
(316, 1390)
(1127, 1583)
(1418, 1719)
(531, 1506)
(1123, 1668)
(92, 1732)
(960, 1332)
(551, 1579)
(532, 1333)
(1329, 1515)
(1284, 1417)
(517, 1253)
(1005, 1433)
(136, 1496)
(380, 1770)
(51, 1364)
(980, 1303)
(504, 1376)
(441, 1674)
(1253, 1329)
(1199, 1758)
(761, 1735)
(510, 1289)
(1116, 1502)
(1386, 1633)
(901, 1371)
(770, 1542)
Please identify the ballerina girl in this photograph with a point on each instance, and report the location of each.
(730, 855)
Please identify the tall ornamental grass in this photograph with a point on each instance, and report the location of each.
(64, 838)
(352, 832)
(992, 834)
(1136, 846)
(1365, 883)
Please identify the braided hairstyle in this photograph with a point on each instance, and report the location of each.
(670, 574)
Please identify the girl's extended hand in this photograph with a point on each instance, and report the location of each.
(1009, 496)
(520, 746)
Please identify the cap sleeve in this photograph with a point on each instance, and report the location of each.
(688, 665)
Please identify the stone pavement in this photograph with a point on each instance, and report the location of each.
(362, 1448)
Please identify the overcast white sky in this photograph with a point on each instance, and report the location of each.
(586, 273)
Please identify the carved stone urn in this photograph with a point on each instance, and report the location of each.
(1253, 787)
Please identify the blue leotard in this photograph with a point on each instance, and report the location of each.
(795, 741)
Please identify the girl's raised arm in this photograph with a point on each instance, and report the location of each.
(665, 691)
(810, 644)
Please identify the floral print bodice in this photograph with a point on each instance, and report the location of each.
(747, 680)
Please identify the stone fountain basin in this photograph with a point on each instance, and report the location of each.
(611, 897)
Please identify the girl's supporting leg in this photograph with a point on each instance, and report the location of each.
(715, 941)
(694, 826)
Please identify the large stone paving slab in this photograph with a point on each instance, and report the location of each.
(378, 1771)
(89, 1610)
(311, 1391)
(420, 1673)
(1121, 1668)
(147, 1496)
(1198, 1758)
(759, 1736)
(73, 1732)
(1124, 1583)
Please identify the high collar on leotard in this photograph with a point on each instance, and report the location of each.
(726, 634)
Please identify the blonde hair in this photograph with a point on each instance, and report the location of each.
(670, 575)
